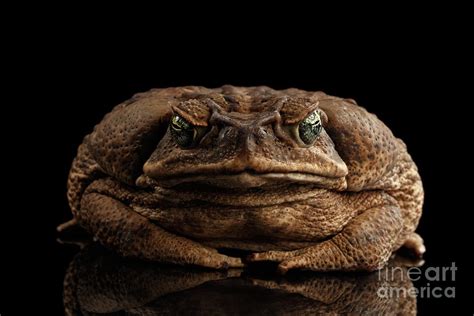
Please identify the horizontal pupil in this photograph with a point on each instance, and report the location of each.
(176, 126)
(312, 123)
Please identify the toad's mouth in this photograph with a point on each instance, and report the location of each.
(250, 180)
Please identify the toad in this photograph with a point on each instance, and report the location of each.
(304, 179)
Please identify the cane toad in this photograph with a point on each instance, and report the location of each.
(305, 179)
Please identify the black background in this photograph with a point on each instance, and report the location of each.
(416, 78)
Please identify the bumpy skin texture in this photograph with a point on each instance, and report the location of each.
(344, 202)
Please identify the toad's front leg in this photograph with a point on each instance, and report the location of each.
(365, 244)
(118, 227)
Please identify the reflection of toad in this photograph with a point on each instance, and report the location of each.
(301, 178)
(99, 282)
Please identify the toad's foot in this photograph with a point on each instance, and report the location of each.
(365, 244)
(415, 245)
(118, 227)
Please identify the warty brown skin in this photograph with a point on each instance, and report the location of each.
(344, 202)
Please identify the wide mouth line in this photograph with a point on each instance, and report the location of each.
(213, 175)
(248, 180)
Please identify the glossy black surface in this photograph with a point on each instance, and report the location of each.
(99, 282)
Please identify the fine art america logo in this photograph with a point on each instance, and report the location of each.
(435, 285)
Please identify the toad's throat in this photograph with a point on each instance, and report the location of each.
(197, 195)
(292, 213)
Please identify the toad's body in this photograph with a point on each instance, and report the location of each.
(301, 178)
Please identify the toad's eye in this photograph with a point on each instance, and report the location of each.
(184, 133)
(309, 128)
